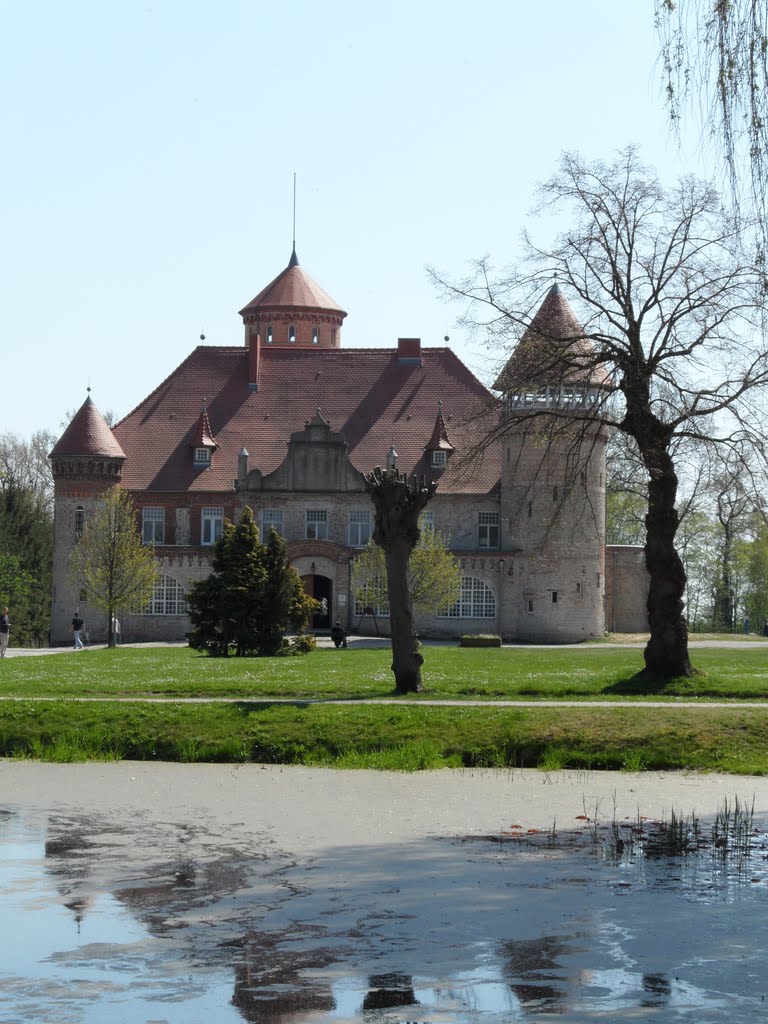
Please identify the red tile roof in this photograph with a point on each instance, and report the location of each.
(293, 288)
(88, 434)
(367, 394)
(553, 350)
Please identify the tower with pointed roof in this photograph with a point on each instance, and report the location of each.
(292, 312)
(86, 461)
(553, 478)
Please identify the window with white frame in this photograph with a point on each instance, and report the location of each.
(359, 527)
(427, 520)
(168, 598)
(211, 525)
(488, 529)
(316, 526)
(271, 519)
(439, 458)
(476, 601)
(202, 456)
(153, 526)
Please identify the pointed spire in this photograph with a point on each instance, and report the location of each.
(88, 433)
(439, 439)
(294, 260)
(553, 350)
(202, 435)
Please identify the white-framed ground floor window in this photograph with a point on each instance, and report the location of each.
(476, 601)
(168, 598)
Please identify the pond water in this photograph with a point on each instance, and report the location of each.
(142, 922)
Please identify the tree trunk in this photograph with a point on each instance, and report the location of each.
(406, 657)
(666, 655)
(399, 502)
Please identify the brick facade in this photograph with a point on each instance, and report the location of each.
(526, 521)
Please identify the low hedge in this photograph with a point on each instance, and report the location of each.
(480, 640)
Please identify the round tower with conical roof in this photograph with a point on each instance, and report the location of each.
(293, 311)
(553, 479)
(87, 461)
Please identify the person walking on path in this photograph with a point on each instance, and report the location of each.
(77, 629)
(5, 628)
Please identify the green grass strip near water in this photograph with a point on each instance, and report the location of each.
(404, 736)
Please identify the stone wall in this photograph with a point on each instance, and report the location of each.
(626, 589)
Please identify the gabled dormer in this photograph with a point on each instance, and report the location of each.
(439, 447)
(202, 441)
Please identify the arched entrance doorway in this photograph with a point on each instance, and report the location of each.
(321, 588)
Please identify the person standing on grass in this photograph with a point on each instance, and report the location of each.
(5, 628)
(116, 629)
(77, 629)
(338, 635)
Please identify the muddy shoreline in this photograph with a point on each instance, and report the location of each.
(307, 809)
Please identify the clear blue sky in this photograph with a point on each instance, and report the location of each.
(149, 151)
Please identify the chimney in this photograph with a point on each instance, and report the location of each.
(409, 351)
(254, 354)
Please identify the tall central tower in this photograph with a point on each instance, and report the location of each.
(293, 311)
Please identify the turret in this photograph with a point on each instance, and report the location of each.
(553, 476)
(86, 461)
(292, 311)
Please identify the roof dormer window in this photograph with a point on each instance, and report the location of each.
(439, 458)
(202, 456)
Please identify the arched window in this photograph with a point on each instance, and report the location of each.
(476, 601)
(168, 598)
(79, 520)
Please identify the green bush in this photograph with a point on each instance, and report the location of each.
(304, 643)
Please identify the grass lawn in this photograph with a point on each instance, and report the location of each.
(403, 736)
(458, 673)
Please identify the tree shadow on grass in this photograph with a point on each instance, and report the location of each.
(645, 683)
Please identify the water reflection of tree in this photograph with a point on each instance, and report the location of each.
(270, 986)
(387, 991)
(532, 967)
(658, 988)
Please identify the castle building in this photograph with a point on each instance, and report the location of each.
(288, 422)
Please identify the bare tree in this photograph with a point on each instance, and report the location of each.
(399, 501)
(672, 316)
(714, 59)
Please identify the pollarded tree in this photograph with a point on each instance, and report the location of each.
(110, 563)
(672, 313)
(398, 503)
(434, 576)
